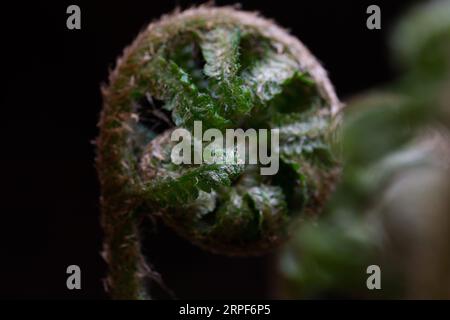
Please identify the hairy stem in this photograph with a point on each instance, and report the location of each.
(227, 69)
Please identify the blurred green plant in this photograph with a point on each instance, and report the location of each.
(391, 207)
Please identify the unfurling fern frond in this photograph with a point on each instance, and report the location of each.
(227, 69)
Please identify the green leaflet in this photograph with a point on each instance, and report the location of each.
(315, 150)
(168, 191)
(304, 136)
(253, 49)
(189, 58)
(220, 51)
(183, 97)
(298, 94)
(266, 77)
(235, 99)
(220, 48)
(251, 215)
(280, 87)
(312, 127)
(270, 205)
(235, 221)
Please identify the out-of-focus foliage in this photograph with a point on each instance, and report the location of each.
(392, 207)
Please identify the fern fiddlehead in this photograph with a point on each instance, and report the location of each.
(227, 69)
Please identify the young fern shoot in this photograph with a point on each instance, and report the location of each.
(228, 69)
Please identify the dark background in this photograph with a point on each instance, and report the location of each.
(50, 102)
